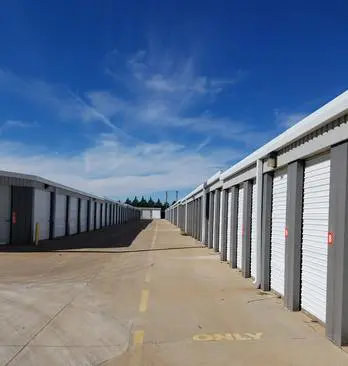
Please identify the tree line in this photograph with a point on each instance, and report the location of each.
(147, 203)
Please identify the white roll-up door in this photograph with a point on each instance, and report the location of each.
(97, 222)
(83, 216)
(5, 214)
(253, 261)
(60, 215)
(316, 192)
(156, 214)
(91, 216)
(73, 213)
(229, 226)
(146, 214)
(221, 221)
(42, 212)
(279, 193)
(240, 227)
(107, 215)
(103, 215)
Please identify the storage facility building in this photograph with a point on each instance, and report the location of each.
(35, 208)
(280, 216)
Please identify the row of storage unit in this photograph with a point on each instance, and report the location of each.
(280, 216)
(35, 209)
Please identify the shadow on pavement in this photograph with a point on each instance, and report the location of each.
(116, 236)
(130, 251)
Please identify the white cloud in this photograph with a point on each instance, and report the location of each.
(115, 168)
(165, 95)
(287, 120)
(10, 124)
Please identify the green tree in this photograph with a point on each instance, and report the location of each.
(165, 205)
(128, 201)
(158, 204)
(151, 202)
(135, 202)
(143, 202)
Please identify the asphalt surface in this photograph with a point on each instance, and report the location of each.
(143, 294)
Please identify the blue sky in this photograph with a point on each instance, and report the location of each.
(138, 97)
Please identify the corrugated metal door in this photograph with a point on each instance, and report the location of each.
(146, 214)
(221, 221)
(278, 231)
(60, 215)
(103, 215)
(253, 233)
(42, 212)
(73, 212)
(240, 227)
(91, 215)
(156, 214)
(97, 226)
(5, 214)
(83, 215)
(229, 226)
(314, 236)
(107, 209)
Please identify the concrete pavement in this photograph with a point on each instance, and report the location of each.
(145, 295)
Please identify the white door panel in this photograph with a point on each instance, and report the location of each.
(253, 261)
(42, 212)
(229, 226)
(240, 227)
(83, 216)
(316, 193)
(279, 194)
(73, 213)
(60, 216)
(221, 221)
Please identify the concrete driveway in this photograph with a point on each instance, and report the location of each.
(143, 294)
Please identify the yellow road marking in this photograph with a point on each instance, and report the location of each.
(227, 337)
(144, 300)
(138, 337)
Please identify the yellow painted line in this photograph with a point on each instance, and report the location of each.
(138, 337)
(144, 300)
(227, 337)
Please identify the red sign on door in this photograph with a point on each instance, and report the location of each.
(14, 218)
(330, 238)
(286, 232)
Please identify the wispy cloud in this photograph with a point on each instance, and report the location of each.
(157, 92)
(114, 168)
(287, 120)
(10, 124)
